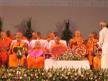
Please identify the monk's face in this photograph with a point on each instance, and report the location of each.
(18, 36)
(34, 35)
(79, 42)
(91, 36)
(52, 35)
(57, 40)
(37, 44)
(48, 38)
(3, 35)
(77, 34)
(38, 34)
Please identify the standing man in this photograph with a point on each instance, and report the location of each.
(103, 43)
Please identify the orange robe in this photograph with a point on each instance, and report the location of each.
(4, 47)
(13, 59)
(97, 62)
(5, 43)
(4, 57)
(36, 62)
(90, 51)
(93, 60)
(58, 50)
(74, 40)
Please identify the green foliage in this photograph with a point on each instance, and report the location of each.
(66, 35)
(28, 32)
(29, 25)
(1, 24)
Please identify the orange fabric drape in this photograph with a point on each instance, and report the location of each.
(36, 62)
(14, 61)
(58, 50)
(4, 57)
(5, 43)
(97, 62)
(4, 47)
(90, 51)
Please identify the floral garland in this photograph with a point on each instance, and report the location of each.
(19, 52)
(23, 74)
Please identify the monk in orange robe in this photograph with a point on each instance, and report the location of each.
(4, 47)
(58, 48)
(91, 43)
(77, 37)
(97, 60)
(14, 60)
(36, 56)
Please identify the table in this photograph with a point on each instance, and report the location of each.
(49, 63)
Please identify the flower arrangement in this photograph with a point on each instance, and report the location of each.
(19, 52)
(23, 74)
(68, 55)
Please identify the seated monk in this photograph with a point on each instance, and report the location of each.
(16, 52)
(73, 41)
(4, 48)
(16, 59)
(91, 43)
(36, 57)
(58, 48)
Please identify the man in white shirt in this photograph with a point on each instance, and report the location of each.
(103, 43)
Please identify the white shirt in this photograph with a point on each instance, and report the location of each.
(103, 37)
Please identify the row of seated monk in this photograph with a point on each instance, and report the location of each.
(34, 49)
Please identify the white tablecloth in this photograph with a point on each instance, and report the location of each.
(49, 63)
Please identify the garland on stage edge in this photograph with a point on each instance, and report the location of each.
(23, 74)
